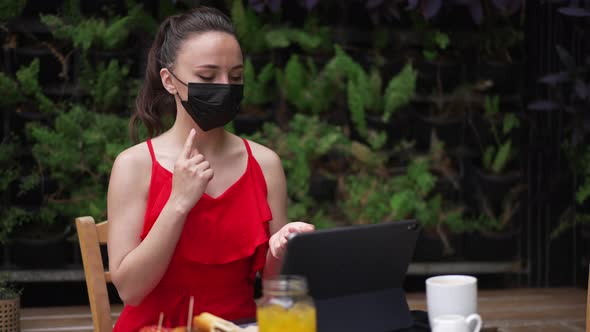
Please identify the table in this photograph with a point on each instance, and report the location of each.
(526, 310)
(507, 310)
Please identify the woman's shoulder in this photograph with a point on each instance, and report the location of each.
(136, 157)
(271, 167)
(131, 173)
(265, 156)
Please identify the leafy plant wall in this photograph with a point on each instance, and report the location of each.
(380, 110)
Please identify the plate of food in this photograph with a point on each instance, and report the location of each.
(204, 322)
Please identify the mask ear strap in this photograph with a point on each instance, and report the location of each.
(178, 94)
(170, 71)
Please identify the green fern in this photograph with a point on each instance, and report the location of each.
(10, 9)
(510, 122)
(9, 170)
(403, 204)
(284, 37)
(77, 152)
(374, 101)
(364, 89)
(298, 210)
(307, 90)
(488, 157)
(579, 159)
(377, 139)
(321, 220)
(429, 211)
(371, 198)
(321, 91)
(256, 87)
(140, 19)
(366, 199)
(266, 74)
(28, 79)
(433, 42)
(492, 105)
(11, 92)
(457, 223)
(248, 28)
(305, 40)
(107, 85)
(86, 33)
(343, 71)
(278, 38)
(307, 140)
(497, 156)
(342, 67)
(11, 219)
(503, 157)
(399, 91)
(295, 77)
(356, 107)
(419, 174)
(70, 9)
(116, 33)
(322, 35)
(295, 82)
(256, 37)
(29, 183)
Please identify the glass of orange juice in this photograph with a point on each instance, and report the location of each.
(286, 306)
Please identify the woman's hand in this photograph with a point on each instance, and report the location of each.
(192, 174)
(278, 242)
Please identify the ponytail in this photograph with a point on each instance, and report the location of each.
(153, 101)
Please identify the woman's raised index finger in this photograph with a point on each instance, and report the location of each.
(188, 144)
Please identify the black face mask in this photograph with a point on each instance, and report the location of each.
(212, 105)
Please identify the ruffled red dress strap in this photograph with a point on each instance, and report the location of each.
(259, 257)
(159, 191)
(248, 149)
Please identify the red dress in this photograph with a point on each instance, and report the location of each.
(222, 247)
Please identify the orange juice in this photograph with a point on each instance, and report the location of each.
(286, 306)
(299, 318)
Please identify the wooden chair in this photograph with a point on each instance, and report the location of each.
(91, 236)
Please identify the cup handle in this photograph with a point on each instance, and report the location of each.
(477, 319)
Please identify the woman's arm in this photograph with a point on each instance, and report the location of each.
(137, 266)
(280, 228)
(276, 185)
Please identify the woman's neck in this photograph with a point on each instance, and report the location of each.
(210, 142)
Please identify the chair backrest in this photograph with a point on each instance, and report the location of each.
(91, 235)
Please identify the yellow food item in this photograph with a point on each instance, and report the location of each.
(274, 318)
(206, 322)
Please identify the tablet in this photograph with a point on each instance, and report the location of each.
(355, 274)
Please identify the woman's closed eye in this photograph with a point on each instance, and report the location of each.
(236, 78)
(206, 78)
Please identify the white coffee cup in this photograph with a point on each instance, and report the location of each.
(456, 323)
(451, 295)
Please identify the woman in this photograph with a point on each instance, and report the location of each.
(194, 211)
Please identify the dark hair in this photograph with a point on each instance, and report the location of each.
(154, 101)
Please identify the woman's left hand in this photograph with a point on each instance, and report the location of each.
(278, 241)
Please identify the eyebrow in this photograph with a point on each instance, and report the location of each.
(211, 66)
